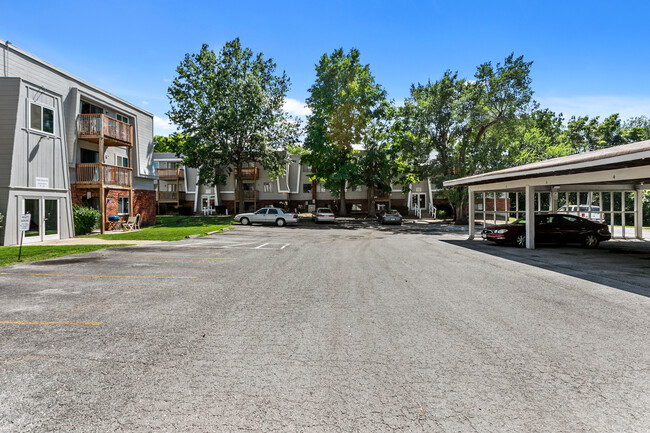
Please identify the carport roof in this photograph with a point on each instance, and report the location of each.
(626, 155)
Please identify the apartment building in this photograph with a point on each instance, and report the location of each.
(179, 185)
(64, 141)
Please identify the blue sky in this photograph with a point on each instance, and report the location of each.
(590, 57)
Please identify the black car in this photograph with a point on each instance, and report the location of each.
(390, 217)
(550, 228)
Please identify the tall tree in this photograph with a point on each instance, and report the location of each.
(342, 101)
(451, 117)
(169, 143)
(229, 108)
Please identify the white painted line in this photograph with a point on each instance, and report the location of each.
(257, 248)
(284, 246)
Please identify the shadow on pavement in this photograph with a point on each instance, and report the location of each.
(615, 264)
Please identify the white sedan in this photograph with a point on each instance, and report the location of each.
(267, 215)
(324, 214)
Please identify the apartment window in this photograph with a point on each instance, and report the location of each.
(121, 118)
(355, 188)
(88, 108)
(123, 205)
(306, 188)
(171, 187)
(356, 208)
(268, 187)
(320, 187)
(122, 161)
(156, 165)
(41, 118)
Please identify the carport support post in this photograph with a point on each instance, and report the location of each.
(638, 213)
(470, 193)
(530, 217)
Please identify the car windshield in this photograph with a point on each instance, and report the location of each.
(392, 212)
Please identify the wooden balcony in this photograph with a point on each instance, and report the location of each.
(171, 173)
(115, 176)
(249, 195)
(171, 196)
(248, 173)
(92, 127)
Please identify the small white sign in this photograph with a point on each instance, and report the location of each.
(42, 182)
(23, 223)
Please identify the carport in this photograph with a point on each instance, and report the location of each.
(611, 179)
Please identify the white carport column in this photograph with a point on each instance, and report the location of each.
(638, 213)
(470, 193)
(530, 217)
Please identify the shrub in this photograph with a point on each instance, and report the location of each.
(85, 219)
(441, 214)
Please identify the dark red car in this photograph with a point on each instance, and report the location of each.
(550, 228)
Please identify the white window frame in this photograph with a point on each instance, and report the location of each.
(121, 200)
(122, 118)
(267, 187)
(43, 106)
(117, 160)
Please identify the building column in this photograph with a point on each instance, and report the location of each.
(470, 193)
(530, 217)
(638, 213)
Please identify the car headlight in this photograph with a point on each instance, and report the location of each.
(501, 231)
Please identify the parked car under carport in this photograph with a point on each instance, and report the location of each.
(550, 228)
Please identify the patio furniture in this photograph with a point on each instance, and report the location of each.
(114, 222)
(132, 223)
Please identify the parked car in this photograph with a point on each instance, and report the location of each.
(324, 214)
(583, 211)
(390, 217)
(267, 215)
(550, 228)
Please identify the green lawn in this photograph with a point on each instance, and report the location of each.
(172, 228)
(30, 253)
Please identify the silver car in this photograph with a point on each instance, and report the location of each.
(267, 215)
(324, 214)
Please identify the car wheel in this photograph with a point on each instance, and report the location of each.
(520, 241)
(245, 221)
(280, 222)
(590, 241)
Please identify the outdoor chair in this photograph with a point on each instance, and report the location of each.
(133, 223)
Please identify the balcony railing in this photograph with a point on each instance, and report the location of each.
(248, 173)
(171, 173)
(114, 175)
(171, 196)
(249, 195)
(93, 126)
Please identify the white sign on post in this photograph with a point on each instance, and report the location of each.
(23, 224)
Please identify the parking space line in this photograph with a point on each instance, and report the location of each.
(32, 274)
(257, 248)
(39, 322)
(284, 246)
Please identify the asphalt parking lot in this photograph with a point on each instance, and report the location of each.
(333, 328)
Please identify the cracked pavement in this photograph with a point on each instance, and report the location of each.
(327, 329)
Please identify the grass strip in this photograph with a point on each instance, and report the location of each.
(31, 253)
(172, 228)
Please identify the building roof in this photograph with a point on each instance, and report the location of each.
(625, 155)
(9, 46)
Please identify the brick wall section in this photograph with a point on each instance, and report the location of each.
(144, 203)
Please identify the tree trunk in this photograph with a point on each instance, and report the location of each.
(371, 202)
(240, 188)
(343, 211)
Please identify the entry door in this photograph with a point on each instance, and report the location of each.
(418, 200)
(44, 223)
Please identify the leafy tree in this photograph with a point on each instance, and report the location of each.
(451, 118)
(168, 144)
(343, 101)
(228, 106)
(636, 129)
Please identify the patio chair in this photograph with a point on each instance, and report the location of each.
(132, 223)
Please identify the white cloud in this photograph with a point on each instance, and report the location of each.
(603, 106)
(295, 107)
(145, 102)
(163, 126)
